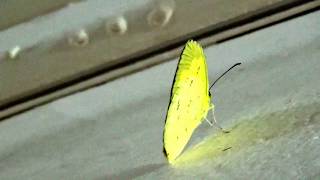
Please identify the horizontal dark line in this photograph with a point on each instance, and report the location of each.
(254, 16)
(270, 24)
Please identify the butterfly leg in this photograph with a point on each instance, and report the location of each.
(209, 122)
(215, 121)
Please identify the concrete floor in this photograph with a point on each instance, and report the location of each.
(271, 104)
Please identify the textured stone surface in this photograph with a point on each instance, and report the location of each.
(271, 104)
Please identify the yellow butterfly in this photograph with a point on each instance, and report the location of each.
(190, 100)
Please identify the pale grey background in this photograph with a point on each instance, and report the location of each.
(114, 131)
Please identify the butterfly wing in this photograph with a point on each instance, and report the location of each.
(189, 101)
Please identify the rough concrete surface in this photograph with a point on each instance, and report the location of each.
(271, 104)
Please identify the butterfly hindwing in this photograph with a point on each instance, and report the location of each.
(189, 102)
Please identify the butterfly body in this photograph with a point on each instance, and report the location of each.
(189, 102)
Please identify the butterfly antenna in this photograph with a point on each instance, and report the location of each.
(224, 74)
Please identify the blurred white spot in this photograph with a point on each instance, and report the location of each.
(118, 25)
(315, 137)
(79, 38)
(13, 53)
(161, 14)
